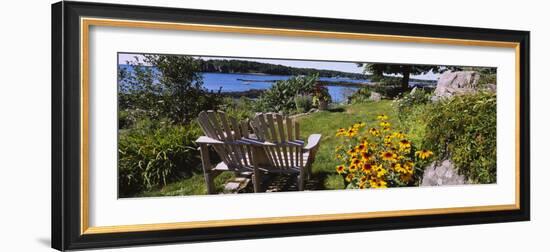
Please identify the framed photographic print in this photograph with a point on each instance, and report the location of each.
(180, 125)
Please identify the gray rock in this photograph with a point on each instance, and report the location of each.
(375, 96)
(491, 87)
(414, 90)
(453, 83)
(443, 173)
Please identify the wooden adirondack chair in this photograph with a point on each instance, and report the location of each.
(284, 150)
(275, 147)
(225, 136)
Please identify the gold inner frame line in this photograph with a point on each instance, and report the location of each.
(85, 24)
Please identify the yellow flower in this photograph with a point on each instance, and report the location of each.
(404, 144)
(341, 132)
(388, 156)
(356, 161)
(378, 183)
(384, 124)
(350, 177)
(423, 154)
(380, 172)
(367, 168)
(340, 169)
(382, 117)
(398, 168)
(353, 168)
(366, 156)
(398, 134)
(374, 132)
(352, 151)
(386, 129)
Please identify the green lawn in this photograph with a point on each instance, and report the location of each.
(325, 123)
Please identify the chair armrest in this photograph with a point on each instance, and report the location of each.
(312, 142)
(207, 140)
(261, 143)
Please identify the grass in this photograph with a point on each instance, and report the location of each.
(325, 123)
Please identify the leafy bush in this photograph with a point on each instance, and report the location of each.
(487, 78)
(168, 86)
(389, 91)
(464, 129)
(406, 104)
(280, 97)
(362, 95)
(303, 103)
(155, 153)
(240, 109)
(377, 156)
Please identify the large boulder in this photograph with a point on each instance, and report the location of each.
(374, 96)
(442, 173)
(453, 83)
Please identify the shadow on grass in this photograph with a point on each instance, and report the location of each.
(285, 182)
(337, 110)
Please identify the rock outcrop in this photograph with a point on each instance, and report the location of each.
(453, 83)
(442, 173)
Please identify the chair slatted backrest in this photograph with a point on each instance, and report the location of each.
(284, 133)
(218, 126)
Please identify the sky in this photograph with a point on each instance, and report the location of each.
(321, 65)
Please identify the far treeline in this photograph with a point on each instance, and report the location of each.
(243, 66)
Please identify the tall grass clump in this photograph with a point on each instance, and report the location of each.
(151, 155)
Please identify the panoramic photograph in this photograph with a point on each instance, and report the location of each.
(198, 125)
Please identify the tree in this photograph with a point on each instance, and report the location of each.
(168, 86)
(378, 70)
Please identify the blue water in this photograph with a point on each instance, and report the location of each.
(238, 82)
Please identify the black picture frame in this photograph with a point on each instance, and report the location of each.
(66, 156)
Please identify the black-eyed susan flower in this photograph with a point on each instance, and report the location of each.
(388, 156)
(374, 132)
(398, 134)
(353, 168)
(367, 168)
(384, 124)
(382, 117)
(340, 169)
(404, 144)
(378, 183)
(361, 147)
(356, 161)
(423, 154)
(366, 156)
(380, 171)
(350, 177)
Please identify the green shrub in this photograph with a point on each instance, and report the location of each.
(303, 103)
(406, 104)
(362, 95)
(487, 78)
(464, 129)
(155, 153)
(241, 109)
(280, 97)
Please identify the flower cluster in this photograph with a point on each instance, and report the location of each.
(377, 156)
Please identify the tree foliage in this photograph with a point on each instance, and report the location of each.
(168, 86)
